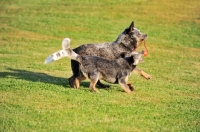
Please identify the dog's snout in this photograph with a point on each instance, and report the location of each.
(144, 36)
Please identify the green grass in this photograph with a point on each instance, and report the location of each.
(37, 97)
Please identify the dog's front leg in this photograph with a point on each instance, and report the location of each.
(122, 83)
(130, 85)
(142, 73)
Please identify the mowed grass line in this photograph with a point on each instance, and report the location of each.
(37, 97)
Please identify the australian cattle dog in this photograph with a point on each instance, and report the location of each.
(96, 68)
(127, 41)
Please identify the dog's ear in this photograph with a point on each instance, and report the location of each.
(131, 28)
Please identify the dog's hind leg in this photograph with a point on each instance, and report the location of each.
(76, 73)
(93, 78)
(122, 83)
(72, 81)
(142, 73)
(78, 80)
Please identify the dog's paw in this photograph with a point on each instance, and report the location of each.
(127, 90)
(145, 75)
(71, 82)
(149, 77)
(95, 90)
(130, 87)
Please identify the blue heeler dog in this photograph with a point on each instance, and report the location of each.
(95, 68)
(127, 41)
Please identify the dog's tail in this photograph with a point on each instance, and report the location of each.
(65, 52)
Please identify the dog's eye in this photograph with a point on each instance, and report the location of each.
(132, 36)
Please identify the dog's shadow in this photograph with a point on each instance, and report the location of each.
(37, 77)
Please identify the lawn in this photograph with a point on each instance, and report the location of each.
(37, 97)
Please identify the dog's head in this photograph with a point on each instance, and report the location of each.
(131, 37)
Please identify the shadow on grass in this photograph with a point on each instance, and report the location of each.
(37, 77)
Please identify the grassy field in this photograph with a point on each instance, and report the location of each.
(37, 97)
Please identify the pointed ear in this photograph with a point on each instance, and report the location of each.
(131, 28)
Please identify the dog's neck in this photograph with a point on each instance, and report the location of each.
(130, 61)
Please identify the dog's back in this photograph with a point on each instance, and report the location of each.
(104, 50)
(106, 69)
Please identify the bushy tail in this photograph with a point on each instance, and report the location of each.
(65, 52)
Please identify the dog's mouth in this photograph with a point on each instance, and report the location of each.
(145, 52)
(144, 37)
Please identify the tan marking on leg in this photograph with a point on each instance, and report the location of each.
(78, 80)
(93, 84)
(123, 84)
(77, 83)
(125, 87)
(130, 86)
(142, 73)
